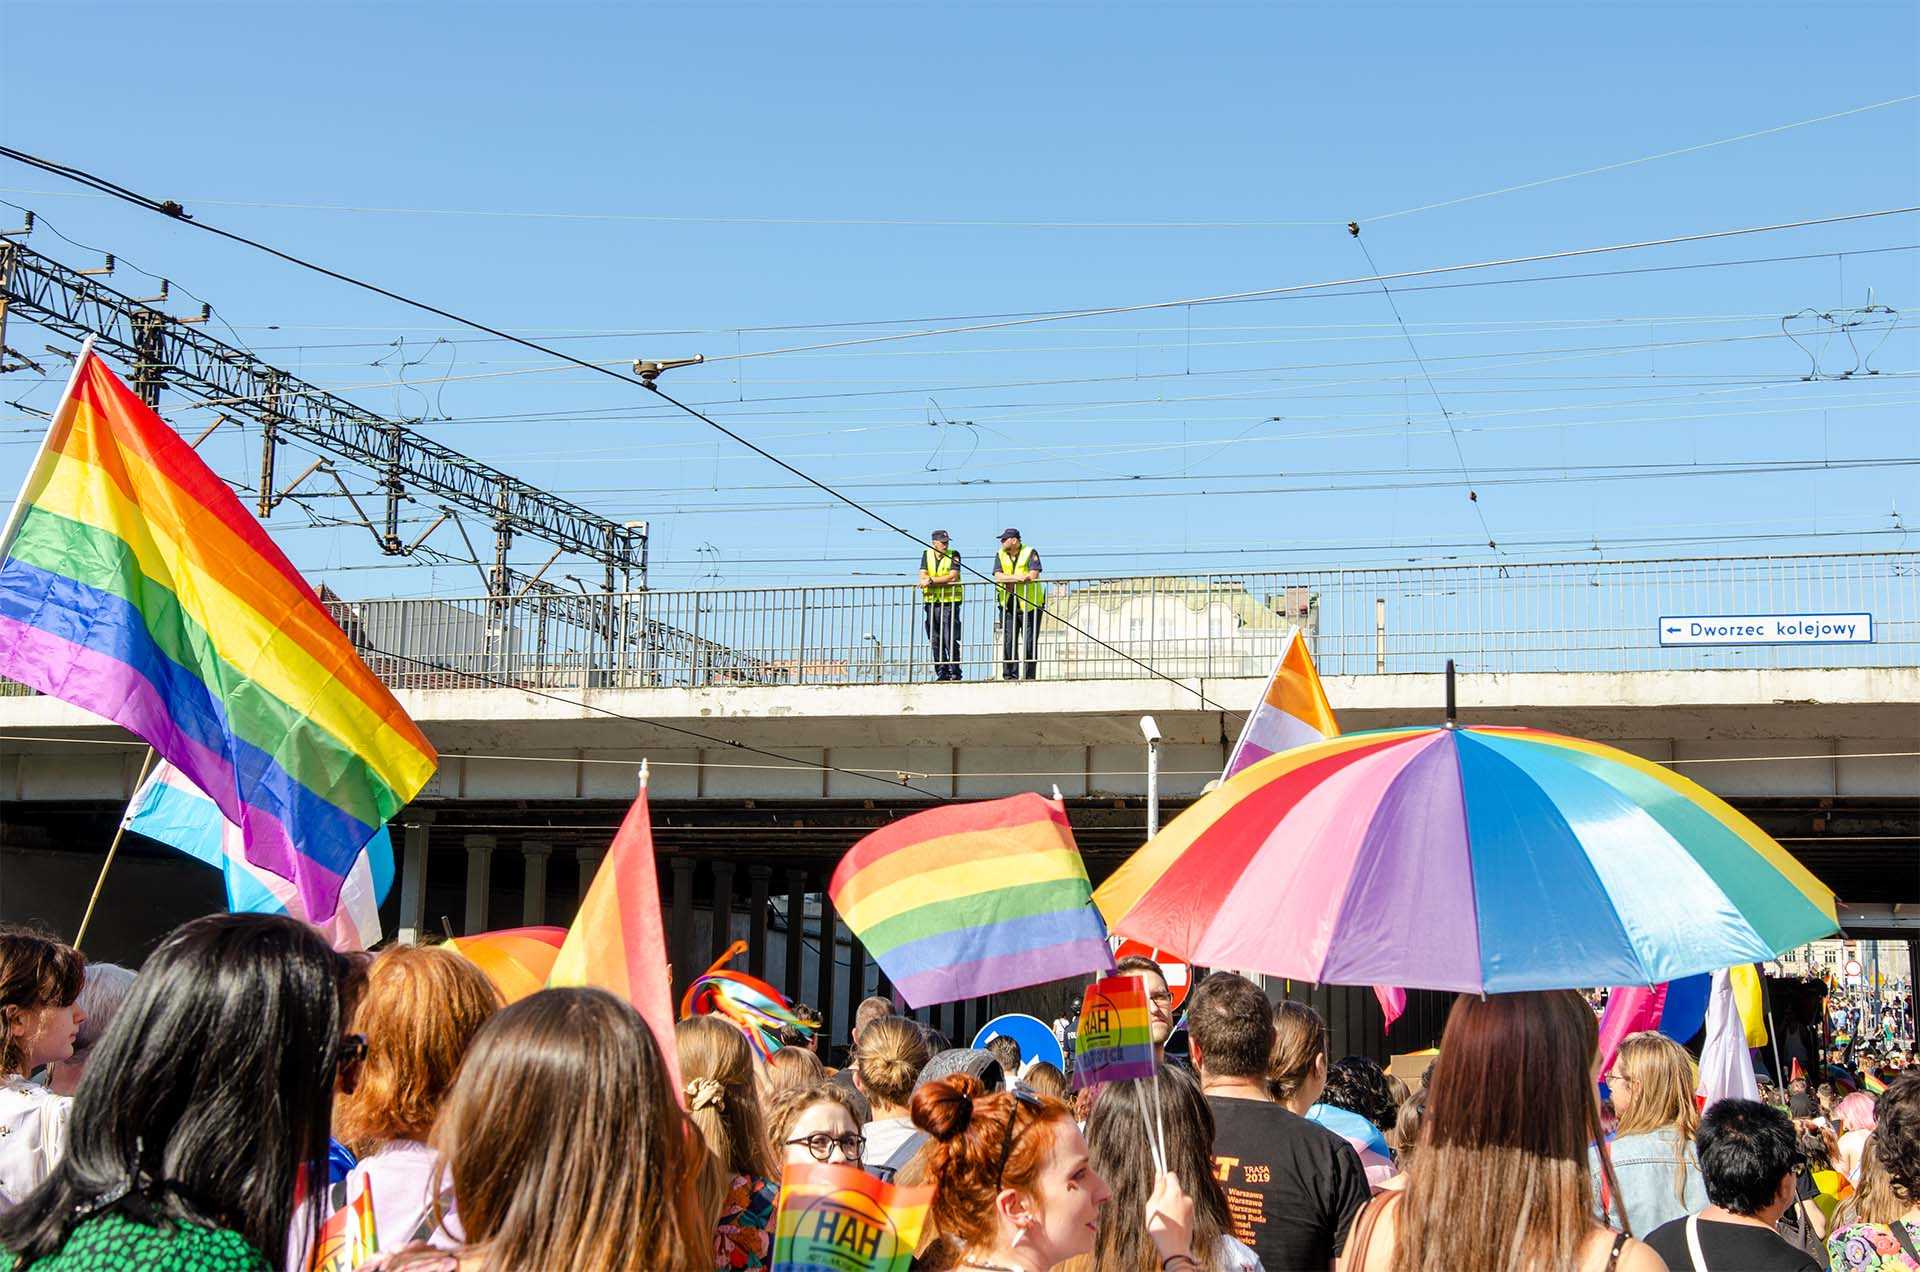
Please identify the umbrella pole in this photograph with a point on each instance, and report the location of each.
(1453, 713)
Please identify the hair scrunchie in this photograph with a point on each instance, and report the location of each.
(705, 1093)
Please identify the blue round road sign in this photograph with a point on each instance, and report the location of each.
(1034, 1036)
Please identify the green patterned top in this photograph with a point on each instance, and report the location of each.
(114, 1243)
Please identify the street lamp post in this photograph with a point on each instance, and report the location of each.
(1151, 731)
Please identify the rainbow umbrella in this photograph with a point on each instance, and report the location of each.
(516, 960)
(1479, 860)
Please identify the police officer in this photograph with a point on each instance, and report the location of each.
(940, 591)
(1022, 596)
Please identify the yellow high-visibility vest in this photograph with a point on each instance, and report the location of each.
(1032, 593)
(939, 563)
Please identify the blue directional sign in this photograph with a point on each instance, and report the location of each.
(1767, 629)
(1036, 1040)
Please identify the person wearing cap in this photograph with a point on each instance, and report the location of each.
(1022, 596)
(940, 591)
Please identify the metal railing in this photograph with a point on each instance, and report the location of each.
(1564, 616)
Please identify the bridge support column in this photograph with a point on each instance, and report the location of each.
(722, 933)
(479, 881)
(589, 866)
(759, 880)
(533, 901)
(413, 876)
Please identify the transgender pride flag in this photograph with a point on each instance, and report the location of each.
(1292, 712)
(170, 808)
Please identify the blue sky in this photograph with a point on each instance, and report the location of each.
(715, 170)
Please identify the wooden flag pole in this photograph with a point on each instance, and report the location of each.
(112, 849)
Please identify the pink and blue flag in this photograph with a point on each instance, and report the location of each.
(172, 810)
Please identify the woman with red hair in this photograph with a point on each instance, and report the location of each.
(1014, 1190)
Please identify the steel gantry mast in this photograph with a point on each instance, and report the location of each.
(164, 350)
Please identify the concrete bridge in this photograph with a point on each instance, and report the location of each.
(782, 724)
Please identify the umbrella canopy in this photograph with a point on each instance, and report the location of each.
(516, 960)
(1481, 860)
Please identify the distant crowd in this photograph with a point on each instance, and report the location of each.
(216, 1110)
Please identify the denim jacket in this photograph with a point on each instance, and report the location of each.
(1644, 1166)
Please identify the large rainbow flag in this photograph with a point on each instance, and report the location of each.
(134, 585)
(618, 942)
(838, 1218)
(972, 899)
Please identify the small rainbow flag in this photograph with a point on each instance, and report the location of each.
(134, 585)
(349, 1237)
(617, 941)
(841, 1219)
(973, 899)
(1115, 1040)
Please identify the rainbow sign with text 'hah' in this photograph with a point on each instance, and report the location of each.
(835, 1218)
(1115, 1039)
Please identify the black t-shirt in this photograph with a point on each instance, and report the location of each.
(1732, 1247)
(1293, 1186)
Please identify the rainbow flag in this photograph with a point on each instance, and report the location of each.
(1115, 1040)
(349, 1237)
(1292, 712)
(135, 586)
(841, 1219)
(617, 941)
(973, 899)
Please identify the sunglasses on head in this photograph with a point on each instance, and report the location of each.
(1032, 1101)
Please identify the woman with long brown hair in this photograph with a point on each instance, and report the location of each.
(1117, 1138)
(739, 1182)
(565, 1147)
(1500, 1181)
(1655, 1163)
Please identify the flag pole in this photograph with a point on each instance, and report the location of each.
(112, 849)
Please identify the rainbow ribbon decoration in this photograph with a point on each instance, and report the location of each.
(756, 1008)
(841, 1219)
(1115, 1040)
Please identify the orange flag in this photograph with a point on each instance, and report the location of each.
(617, 941)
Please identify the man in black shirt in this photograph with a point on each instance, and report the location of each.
(1747, 1156)
(1293, 1186)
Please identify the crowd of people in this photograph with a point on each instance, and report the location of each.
(217, 1109)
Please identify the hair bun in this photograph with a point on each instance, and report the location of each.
(943, 1108)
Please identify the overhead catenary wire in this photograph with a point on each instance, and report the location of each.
(1473, 496)
(175, 211)
(1020, 224)
(966, 773)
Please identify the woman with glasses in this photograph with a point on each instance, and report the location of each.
(419, 1014)
(205, 1108)
(740, 1183)
(814, 1124)
(1654, 1159)
(1014, 1189)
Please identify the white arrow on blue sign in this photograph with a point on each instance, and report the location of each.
(1767, 629)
